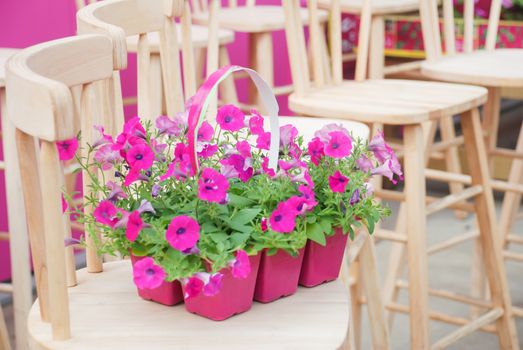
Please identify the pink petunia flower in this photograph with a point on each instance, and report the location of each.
(133, 127)
(193, 287)
(379, 147)
(134, 226)
(299, 204)
(116, 192)
(230, 118)
(145, 207)
(241, 266)
(339, 146)
(264, 225)
(283, 218)
(388, 169)
(107, 156)
(168, 126)
(148, 275)
(212, 186)
(256, 123)
(205, 132)
(263, 141)
(288, 134)
(67, 148)
(244, 148)
(183, 232)
(102, 138)
(237, 166)
(106, 213)
(140, 156)
(338, 182)
(315, 149)
(266, 169)
(208, 151)
(324, 133)
(364, 163)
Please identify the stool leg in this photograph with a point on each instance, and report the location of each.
(489, 239)
(4, 335)
(228, 87)
(512, 200)
(416, 236)
(377, 48)
(18, 238)
(261, 61)
(355, 296)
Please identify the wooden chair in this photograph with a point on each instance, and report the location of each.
(21, 286)
(259, 22)
(200, 41)
(494, 69)
(79, 316)
(411, 104)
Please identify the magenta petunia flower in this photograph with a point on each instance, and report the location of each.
(67, 148)
(237, 166)
(364, 163)
(315, 149)
(266, 169)
(339, 146)
(241, 266)
(256, 123)
(230, 118)
(140, 156)
(134, 226)
(193, 287)
(148, 275)
(133, 127)
(208, 151)
(205, 132)
(263, 141)
(307, 192)
(106, 213)
(212, 283)
(264, 225)
(288, 134)
(283, 219)
(212, 186)
(299, 204)
(338, 182)
(324, 133)
(107, 156)
(183, 232)
(244, 148)
(65, 206)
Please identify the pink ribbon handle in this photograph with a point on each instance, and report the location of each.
(200, 103)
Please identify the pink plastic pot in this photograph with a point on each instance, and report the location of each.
(322, 264)
(278, 276)
(234, 298)
(169, 293)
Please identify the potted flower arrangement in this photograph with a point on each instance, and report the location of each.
(217, 216)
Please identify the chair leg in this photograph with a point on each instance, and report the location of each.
(452, 158)
(355, 297)
(491, 123)
(416, 236)
(486, 218)
(511, 201)
(261, 61)
(377, 48)
(228, 87)
(19, 240)
(376, 310)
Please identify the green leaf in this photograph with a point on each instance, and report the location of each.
(315, 233)
(238, 239)
(245, 216)
(139, 250)
(326, 225)
(239, 201)
(208, 227)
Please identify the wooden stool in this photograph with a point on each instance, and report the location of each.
(495, 69)
(103, 309)
(21, 286)
(411, 104)
(259, 23)
(200, 41)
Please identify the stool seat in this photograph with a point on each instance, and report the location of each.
(199, 36)
(379, 7)
(390, 101)
(4, 56)
(106, 313)
(256, 19)
(496, 68)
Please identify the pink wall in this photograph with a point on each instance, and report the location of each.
(28, 22)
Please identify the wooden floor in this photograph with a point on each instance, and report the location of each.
(457, 261)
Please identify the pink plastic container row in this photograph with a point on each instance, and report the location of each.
(272, 277)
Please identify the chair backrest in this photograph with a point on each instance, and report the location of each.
(120, 19)
(321, 64)
(54, 91)
(431, 27)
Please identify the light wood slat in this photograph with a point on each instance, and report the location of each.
(445, 294)
(2, 165)
(493, 23)
(515, 239)
(443, 145)
(71, 168)
(445, 202)
(130, 101)
(468, 23)
(513, 256)
(517, 311)
(440, 317)
(4, 236)
(400, 197)
(6, 287)
(77, 226)
(508, 153)
(391, 235)
(355, 246)
(452, 242)
(283, 90)
(402, 67)
(472, 326)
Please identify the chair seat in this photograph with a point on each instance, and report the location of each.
(379, 7)
(106, 313)
(498, 68)
(199, 35)
(388, 101)
(307, 126)
(256, 19)
(4, 56)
